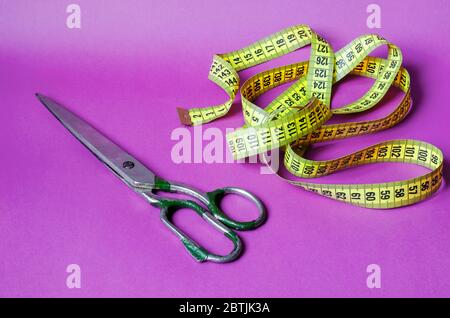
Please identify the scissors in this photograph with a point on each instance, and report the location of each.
(146, 183)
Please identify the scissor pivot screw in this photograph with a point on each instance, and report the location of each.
(128, 164)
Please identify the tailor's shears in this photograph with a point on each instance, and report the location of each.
(145, 182)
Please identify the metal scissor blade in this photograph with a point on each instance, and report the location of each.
(128, 168)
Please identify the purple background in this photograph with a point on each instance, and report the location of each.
(126, 70)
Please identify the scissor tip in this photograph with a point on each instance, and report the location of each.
(39, 96)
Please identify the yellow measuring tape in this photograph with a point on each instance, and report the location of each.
(296, 118)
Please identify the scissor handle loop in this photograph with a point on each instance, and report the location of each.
(214, 216)
(212, 201)
(214, 206)
(200, 254)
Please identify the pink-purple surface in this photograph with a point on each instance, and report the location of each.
(126, 70)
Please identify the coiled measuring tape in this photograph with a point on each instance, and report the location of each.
(296, 118)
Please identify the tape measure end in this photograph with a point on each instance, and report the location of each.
(184, 116)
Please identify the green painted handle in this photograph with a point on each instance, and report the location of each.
(200, 254)
(214, 203)
(174, 204)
